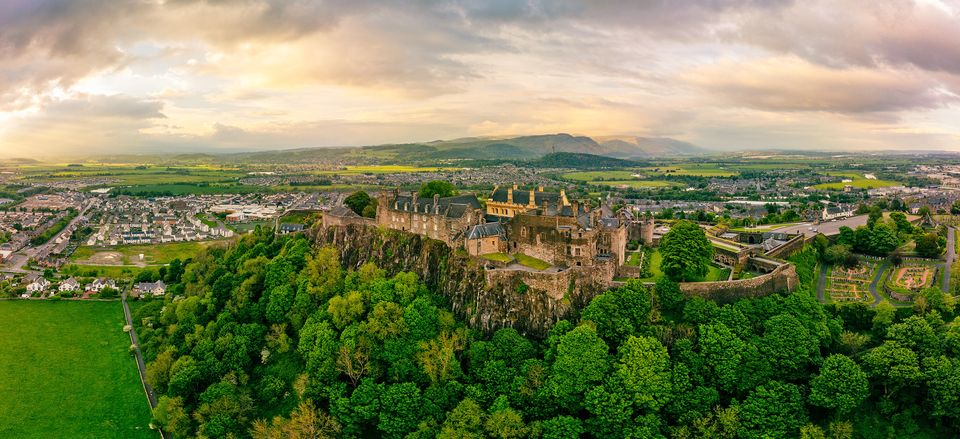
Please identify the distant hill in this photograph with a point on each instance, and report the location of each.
(584, 161)
(636, 147)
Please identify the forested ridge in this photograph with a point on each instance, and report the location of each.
(271, 338)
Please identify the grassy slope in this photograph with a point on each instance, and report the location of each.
(67, 372)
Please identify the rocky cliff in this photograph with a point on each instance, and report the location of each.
(530, 302)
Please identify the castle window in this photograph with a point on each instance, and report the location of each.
(523, 231)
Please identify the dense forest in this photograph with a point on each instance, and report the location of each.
(272, 338)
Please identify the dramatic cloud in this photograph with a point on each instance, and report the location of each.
(242, 74)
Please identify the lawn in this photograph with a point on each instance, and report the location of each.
(634, 258)
(498, 257)
(654, 267)
(763, 228)
(153, 254)
(68, 372)
(530, 261)
(715, 274)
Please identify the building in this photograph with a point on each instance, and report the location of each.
(156, 288)
(287, 228)
(485, 238)
(69, 285)
(38, 285)
(833, 212)
(567, 234)
(99, 284)
(445, 219)
(509, 202)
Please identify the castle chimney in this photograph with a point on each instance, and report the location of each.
(539, 188)
(415, 196)
(533, 199)
(563, 198)
(575, 207)
(544, 207)
(514, 186)
(510, 195)
(436, 203)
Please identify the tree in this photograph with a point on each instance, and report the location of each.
(644, 370)
(955, 208)
(357, 201)
(836, 254)
(562, 427)
(773, 410)
(582, 362)
(668, 294)
(928, 245)
(841, 385)
(788, 345)
(437, 187)
(686, 252)
(400, 405)
(172, 417)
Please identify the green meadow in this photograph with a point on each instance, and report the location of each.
(67, 372)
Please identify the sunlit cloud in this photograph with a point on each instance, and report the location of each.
(144, 76)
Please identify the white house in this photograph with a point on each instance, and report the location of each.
(69, 285)
(101, 283)
(38, 285)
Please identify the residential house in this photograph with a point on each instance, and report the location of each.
(156, 288)
(69, 285)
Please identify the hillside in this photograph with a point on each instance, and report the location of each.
(633, 147)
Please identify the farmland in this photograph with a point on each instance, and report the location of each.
(858, 181)
(67, 372)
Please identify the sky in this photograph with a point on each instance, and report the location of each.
(144, 76)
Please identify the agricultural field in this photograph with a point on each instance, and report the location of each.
(851, 285)
(859, 182)
(153, 254)
(136, 174)
(68, 372)
(693, 169)
(382, 169)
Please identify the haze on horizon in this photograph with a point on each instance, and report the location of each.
(137, 76)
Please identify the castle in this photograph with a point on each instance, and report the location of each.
(544, 225)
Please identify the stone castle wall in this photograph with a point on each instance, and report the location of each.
(783, 278)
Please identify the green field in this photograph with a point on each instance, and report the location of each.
(692, 169)
(654, 267)
(68, 372)
(858, 181)
(635, 183)
(382, 169)
(130, 174)
(153, 254)
(602, 175)
(112, 271)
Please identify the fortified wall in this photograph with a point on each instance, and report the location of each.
(782, 278)
(528, 301)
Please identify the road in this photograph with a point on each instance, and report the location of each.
(876, 280)
(147, 389)
(950, 257)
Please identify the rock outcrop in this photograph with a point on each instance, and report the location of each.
(529, 301)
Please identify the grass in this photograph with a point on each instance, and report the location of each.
(247, 227)
(693, 169)
(111, 271)
(655, 259)
(530, 261)
(859, 181)
(635, 183)
(499, 257)
(634, 258)
(153, 254)
(204, 219)
(67, 372)
(300, 217)
(715, 274)
(602, 175)
(383, 169)
(191, 189)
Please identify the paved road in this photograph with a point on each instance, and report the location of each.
(822, 283)
(950, 256)
(151, 398)
(876, 279)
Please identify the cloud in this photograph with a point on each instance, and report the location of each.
(792, 84)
